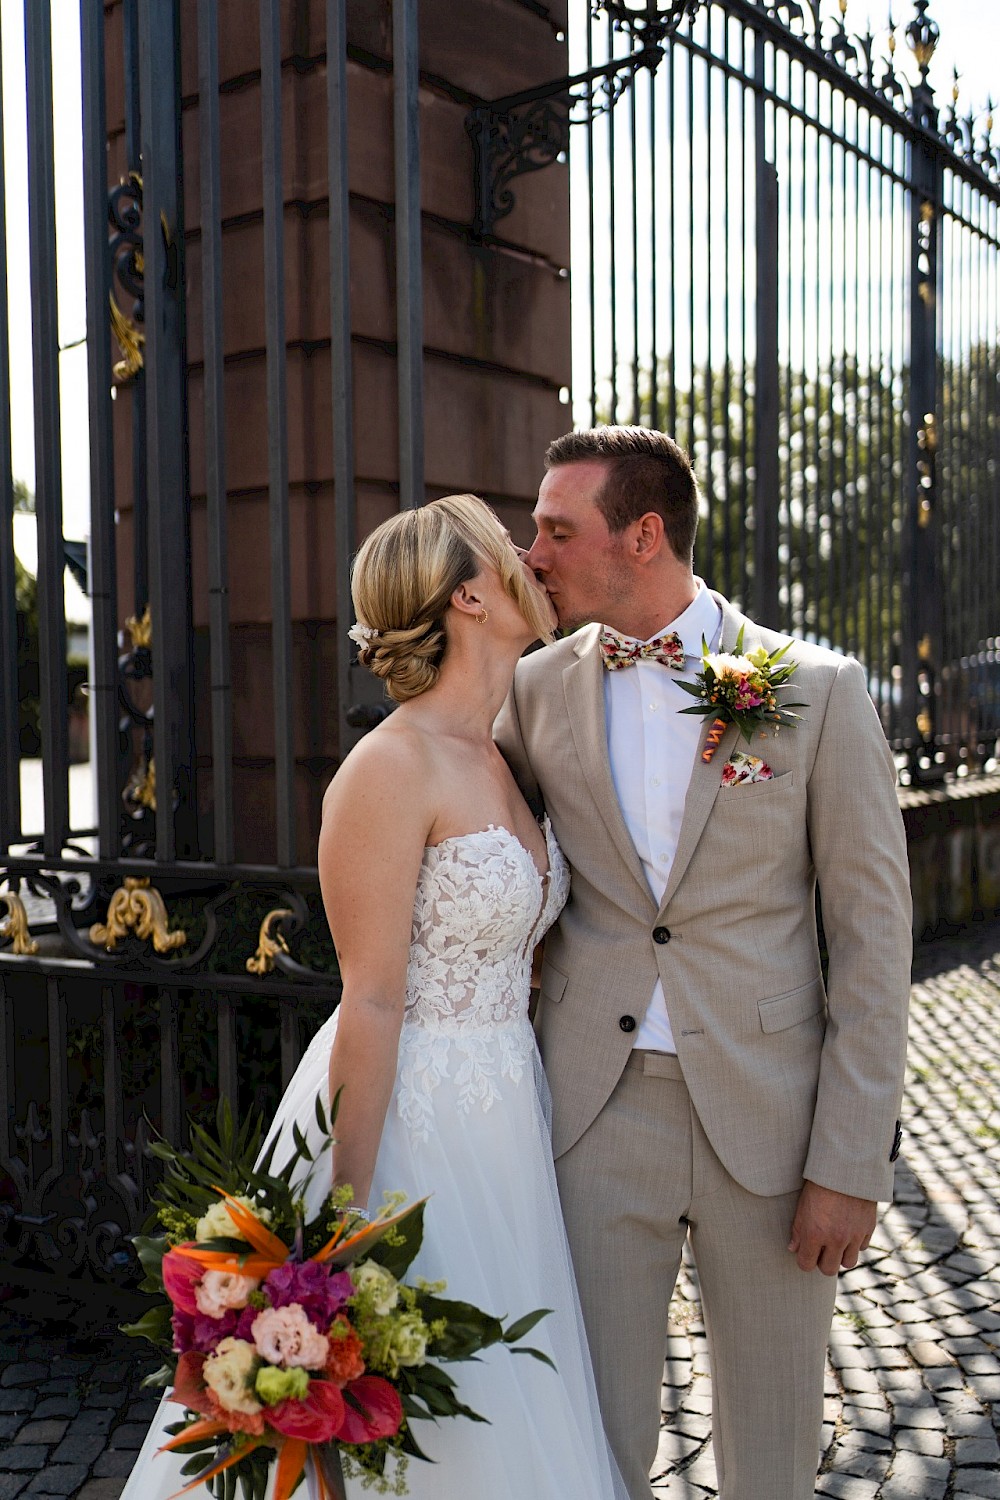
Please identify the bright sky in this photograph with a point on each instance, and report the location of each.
(970, 33)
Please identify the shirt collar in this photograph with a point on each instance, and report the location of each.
(702, 618)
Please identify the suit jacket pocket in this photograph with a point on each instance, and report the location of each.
(732, 797)
(791, 1009)
(553, 982)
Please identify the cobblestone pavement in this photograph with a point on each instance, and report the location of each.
(913, 1376)
(913, 1381)
(72, 1413)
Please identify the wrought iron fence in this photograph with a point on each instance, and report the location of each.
(789, 257)
(779, 253)
(147, 965)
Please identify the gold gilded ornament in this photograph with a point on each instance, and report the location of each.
(14, 926)
(268, 944)
(136, 906)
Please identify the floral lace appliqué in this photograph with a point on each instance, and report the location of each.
(481, 906)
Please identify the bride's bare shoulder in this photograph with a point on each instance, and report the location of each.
(389, 771)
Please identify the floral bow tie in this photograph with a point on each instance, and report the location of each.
(617, 651)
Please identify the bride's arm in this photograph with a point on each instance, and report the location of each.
(375, 825)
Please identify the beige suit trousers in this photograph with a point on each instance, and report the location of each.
(640, 1179)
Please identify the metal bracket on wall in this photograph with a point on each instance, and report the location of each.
(528, 131)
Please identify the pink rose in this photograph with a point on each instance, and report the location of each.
(221, 1290)
(285, 1336)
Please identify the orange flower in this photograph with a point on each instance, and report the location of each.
(344, 1361)
(236, 1421)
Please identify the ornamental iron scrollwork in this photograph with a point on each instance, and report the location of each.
(528, 131)
(139, 794)
(14, 926)
(269, 944)
(137, 907)
(127, 263)
(70, 1206)
(128, 266)
(273, 952)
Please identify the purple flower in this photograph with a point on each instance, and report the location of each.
(319, 1294)
(203, 1334)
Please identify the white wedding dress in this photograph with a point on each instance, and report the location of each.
(467, 1127)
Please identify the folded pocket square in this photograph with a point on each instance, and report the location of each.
(741, 769)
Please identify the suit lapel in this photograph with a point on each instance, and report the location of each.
(583, 685)
(706, 778)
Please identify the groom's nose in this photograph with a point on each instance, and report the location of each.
(534, 557)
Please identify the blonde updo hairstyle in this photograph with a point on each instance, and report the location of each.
(405, 574)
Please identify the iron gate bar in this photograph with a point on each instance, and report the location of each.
(767, 480)
(839, 79)
(409, 254)
(166, 445)
(101, 560)
(48, 445)
(113, 1100)
(277, 430)
(592, 321)
(10, 780)
(215, 434)
(133, 162)
(341, 369)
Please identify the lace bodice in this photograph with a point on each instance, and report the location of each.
(481, 906)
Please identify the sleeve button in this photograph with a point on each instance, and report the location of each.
(627, 1023)
(661, 934)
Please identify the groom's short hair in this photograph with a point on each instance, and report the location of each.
(646, 470)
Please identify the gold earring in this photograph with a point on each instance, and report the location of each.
(482, 617)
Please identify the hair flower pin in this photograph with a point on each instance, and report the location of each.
(362, 634)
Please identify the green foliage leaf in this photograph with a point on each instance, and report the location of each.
(398, 1252)
(524, 1325)
(468, 1328)
(153, 1325)
(535, 1354)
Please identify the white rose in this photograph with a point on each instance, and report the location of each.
(220, 1290)
(379, 1283)
(724, 665)
(409, 1340)
(230, 1374)
(217, 1225)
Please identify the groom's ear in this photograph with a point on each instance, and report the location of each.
(647, 537)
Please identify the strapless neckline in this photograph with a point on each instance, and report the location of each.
(477, 833)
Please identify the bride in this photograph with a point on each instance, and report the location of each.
(438, 884)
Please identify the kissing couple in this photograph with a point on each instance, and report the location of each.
(701, 1081)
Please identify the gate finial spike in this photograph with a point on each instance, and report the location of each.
(923, 35)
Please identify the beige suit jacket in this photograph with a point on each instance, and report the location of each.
(789, 1079)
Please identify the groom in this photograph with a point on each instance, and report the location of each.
(705, 1082)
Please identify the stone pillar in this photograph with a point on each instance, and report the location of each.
(496, 335)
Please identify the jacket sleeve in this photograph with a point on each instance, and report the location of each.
(859, 853)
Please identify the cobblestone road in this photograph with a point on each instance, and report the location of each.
(913, 1383)
(913, 1379)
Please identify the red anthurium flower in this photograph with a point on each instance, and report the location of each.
(316, 1418)
(382, 1411)
(189, 1384)
(180, 1277)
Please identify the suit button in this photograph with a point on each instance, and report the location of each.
(661, 934)
(627, 1023)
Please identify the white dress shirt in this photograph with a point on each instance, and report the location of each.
(652, 748)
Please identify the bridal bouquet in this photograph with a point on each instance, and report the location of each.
(291, 1344)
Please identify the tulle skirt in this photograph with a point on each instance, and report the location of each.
(494, 1233)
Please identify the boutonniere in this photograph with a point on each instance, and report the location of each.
(741, 690)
